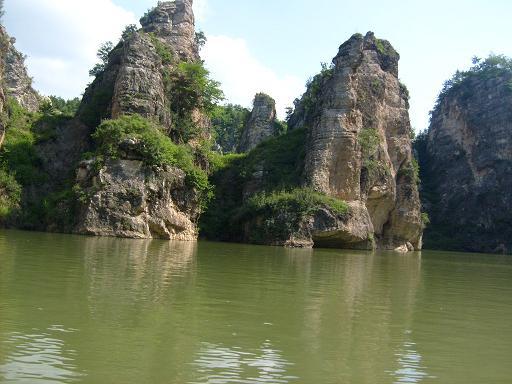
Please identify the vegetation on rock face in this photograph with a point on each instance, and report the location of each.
(18, 156)
(228, 122)
(313, 88)
(102, 54)
(20, 168)
(153, 146)
(275, 167)
(491, 67)
(302, 201)
(65, 107)
(190, 89)
(162, 49)
(10, 194)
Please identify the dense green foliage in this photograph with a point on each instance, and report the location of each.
(190, 88)
(491, 67)
(10, 194)
(228, 122)
(162, 49)
(20, 168)
(65, 107)
(18, 156)
(102, 54)
(154, 146)
(279, 201)
(302, 201)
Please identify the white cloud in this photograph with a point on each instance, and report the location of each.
(61, 38)
(201, 10)
(242, 75)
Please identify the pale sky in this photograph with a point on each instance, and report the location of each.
(272, 46)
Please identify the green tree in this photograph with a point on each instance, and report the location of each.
(201, 39)
(191, 88)
(65, 107)
(129, 31)
(102, 54)
(228, 122)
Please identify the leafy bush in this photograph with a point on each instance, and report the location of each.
(301, 201)
(278, 215)
(65, 107)
(425, 219)
(190, 88)
(279, 161)
(155, 147)
(162, 49)
(281, 158)
(10, 194)
(18, 155)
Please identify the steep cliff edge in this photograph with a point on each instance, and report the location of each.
(262, 123)
(466, 161)
(129, 163)
(148, 74)
(137, 77)
(347, 161)
(18, 84)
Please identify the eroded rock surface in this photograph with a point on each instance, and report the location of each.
(261, 125)
(126, 198)
(133, 80)
(18, 84)
(468, 166)
(358, 144)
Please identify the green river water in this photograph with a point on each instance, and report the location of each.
(101, 310)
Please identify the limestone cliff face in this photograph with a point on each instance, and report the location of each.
(18, 83)
(468, 167)
(173, 22)
(358, 144)
(261, 124)
(4, 43)
(125, 198)
(133, 80)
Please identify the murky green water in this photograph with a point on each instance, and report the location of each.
(91, 310)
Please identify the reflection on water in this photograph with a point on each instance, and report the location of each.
(410, 364)
(221, 365)
(96, 310)
(38, 357)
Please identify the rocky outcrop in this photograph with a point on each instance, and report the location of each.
(126, 198)
(261, 124)
(173, 22)
(18, 83)
(4, 44)
(467, 164)
(343, 176)
(358, 143)
(134, 81)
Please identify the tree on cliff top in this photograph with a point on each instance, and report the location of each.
(2, 12)
(491, 67)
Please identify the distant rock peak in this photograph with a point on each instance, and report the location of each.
(174, 22)
(262, 123)
(352, 50)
